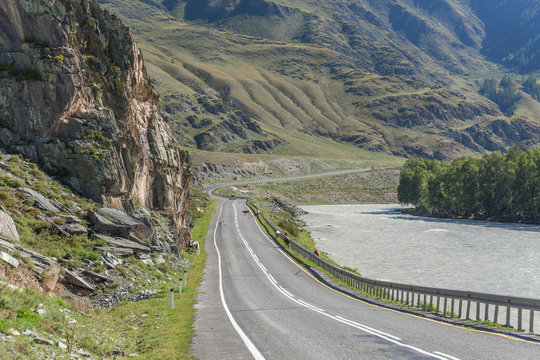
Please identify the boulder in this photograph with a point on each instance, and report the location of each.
(74, 228)
(120, 251)
(43, 341)
(9, 259)
(61, 206)
(123, 243)
(74, 279)
(110, 260)
(121, 218)
(103, 225)
(68, 218)
(39, 200)
(145, 259)
(7, 225)
(50, 278)
(97, 276)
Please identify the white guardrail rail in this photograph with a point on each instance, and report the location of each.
(467, 305)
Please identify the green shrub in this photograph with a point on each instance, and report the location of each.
(119, 86)
(115, 68)
(289, 227)
(4, 326)
(28, 315)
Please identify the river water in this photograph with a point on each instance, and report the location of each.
(382, 243)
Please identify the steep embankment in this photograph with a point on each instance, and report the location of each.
(76, 98)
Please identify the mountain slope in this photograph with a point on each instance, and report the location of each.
(382, 76)
(512, 32)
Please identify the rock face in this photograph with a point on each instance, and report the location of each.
(76, 98)
(7, 225)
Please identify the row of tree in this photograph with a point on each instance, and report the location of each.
(496, 185)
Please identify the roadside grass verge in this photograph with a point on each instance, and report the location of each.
(166, 333)
(147, 329)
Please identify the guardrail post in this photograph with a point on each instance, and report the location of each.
(486, 312)
(531, 321)
(407, 298)
(478, 310)
(460, 308)
(444, 306)
(468, 310)
(508, 316)
(452, 309)
(172, 299)
(438, 304)
(519, 318)
(425, 301)
(180, 286)
(185, 278)
(496, 315)
(430, 302)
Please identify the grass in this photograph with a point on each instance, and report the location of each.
(166, 333)
(41, 235)
(147, 328)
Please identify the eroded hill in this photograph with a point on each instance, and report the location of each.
(384, 76)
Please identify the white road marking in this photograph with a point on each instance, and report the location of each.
(391, 338)
(446, 355)
(311, 306)
(286, 292)
(251, 347)
(369, 328)
(271, 277)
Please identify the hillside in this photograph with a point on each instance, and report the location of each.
(512, 32)
(390, 76)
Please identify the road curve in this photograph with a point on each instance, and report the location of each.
(255, 302)
(211, 188)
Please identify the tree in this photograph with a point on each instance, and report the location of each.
(504, 186)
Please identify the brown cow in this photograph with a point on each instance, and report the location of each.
(317, 252)
(245, 212)
(287, 241)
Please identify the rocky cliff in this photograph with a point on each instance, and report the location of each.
(75, 97)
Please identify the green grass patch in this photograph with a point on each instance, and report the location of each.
(166, 333)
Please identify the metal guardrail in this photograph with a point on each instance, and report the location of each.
(455, 303)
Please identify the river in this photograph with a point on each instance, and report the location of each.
(382, 243)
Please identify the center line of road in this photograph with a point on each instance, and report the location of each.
(340, 319)
(251, 347)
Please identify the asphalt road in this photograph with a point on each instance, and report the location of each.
(255, 302)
